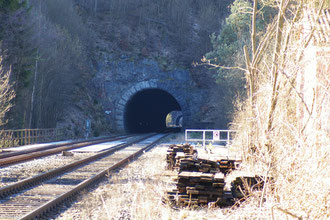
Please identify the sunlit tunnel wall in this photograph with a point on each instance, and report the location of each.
(174, 119)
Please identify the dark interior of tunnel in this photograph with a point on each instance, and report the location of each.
(146, 111)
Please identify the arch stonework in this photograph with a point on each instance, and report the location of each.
(150, 84)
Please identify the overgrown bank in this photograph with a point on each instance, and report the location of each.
(283, 126)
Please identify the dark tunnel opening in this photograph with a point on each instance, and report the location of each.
(146, 111)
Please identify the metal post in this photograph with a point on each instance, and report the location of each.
(20, 137)
(34, 140)
(29, 136)
(203, 138)
(25, 137)
(186, 135)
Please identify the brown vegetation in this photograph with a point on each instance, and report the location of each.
(6, 93)
(275, 140)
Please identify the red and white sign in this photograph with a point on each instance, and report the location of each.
(216, 135)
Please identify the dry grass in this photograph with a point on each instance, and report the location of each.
(298, 162)
(294, 151)
(300, 172)
(136, 192)
(7, 93)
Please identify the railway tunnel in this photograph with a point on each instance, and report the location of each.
(147, 109)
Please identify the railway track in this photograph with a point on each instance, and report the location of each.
(10, 158)
(34, 197)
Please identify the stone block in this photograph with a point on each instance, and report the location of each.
(126, 96)
(120, 123)
(132, 91)
(122, 102)
(120, 128)
(143, 85)
(119, 117)
(138, 87)
(153, 83)
(120, 106)
(148, 85)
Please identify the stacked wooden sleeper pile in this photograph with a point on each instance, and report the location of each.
(199, 181)
(202, 181)
(172, 157)
(197, 188)
(198, 165)
(207, 166)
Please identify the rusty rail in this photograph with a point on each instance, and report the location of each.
(42, 210)
(5, 191)
(18, 187)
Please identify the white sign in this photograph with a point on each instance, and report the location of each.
(216, 135)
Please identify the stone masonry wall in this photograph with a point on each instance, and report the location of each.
(121, 78)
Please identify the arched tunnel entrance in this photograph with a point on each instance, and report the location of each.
(146, 111)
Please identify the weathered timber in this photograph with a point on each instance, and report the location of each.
(197, 188)
(172, 156)
(201, 181)
(244, 184)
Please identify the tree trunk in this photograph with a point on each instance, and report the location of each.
(275, 64)
(34, 89)
(35, 73)
(95, 6)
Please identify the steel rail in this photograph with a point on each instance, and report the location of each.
(47, 152)
(42, 210)
(21, 185)
(5, 153)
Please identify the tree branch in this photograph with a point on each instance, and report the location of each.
(206, 62)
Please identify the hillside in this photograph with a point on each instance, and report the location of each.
(57, 52)
(120, 63)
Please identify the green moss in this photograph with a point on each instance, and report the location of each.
(26, 76)
(11, 5)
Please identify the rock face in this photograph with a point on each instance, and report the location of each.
(142, 55)
(122, 79)
(102, 61)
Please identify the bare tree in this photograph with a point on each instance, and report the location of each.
(7, 93)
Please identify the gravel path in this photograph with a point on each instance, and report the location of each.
(28, 169)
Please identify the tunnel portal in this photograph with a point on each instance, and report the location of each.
(146, 111)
